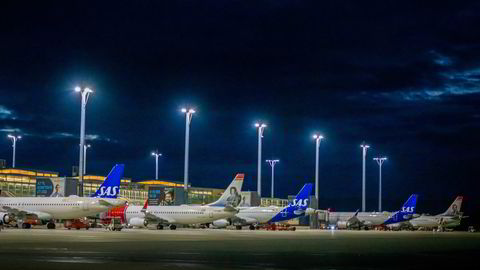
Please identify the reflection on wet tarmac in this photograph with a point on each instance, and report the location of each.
(224, 249)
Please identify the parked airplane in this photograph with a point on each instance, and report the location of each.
(345, 220)
(36, 210)
(261, 215)
(224, 207)
(449, 219)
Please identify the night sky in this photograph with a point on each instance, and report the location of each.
(403, 76)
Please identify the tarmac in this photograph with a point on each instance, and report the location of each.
(231, 249)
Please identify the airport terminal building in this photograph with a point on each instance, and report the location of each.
(21, 182)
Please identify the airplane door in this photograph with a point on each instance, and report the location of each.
(85, 205)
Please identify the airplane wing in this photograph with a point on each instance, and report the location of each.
(155, 218)
(105, 203)
(22, 214)
(230, 208)
(354, 219)
(243, 220)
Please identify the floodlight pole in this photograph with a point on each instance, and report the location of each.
(85, 147)
(85, 92)
(261, 127)
(318, 140)
(272, 164)
(156, 154)
(380, 161)
(364, 155)
(188, 119)
(14, 145)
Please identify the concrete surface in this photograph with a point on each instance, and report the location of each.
(230, 249)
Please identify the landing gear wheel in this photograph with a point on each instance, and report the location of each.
(159, 227)
(173, 227)
(51, 226)
(251, 227)
(26, 225)
(238, 227)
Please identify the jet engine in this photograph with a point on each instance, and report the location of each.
(5, 218)
(138, 222)
(221, 223)
(342, 225)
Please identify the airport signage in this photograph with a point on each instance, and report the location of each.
(50, 187)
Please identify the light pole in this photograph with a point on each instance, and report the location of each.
(261, 127)
(380, 161)
(14, 145)
(156, 155)
(85, 147)
(188, 119)
(364, 155)
(85, 94)
(272, 164)
(318, 139)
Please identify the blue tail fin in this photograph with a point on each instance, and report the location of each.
(296, 208)
(110, 188)
(410, 205)
(406, 213)
(301, 200)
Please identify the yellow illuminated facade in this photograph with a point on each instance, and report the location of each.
(274, 202)
(135, 193)
(20, 182)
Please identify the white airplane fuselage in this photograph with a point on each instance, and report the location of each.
(367, 218)
(183, 214)
(430, 222)
(257, 215)
(58, 207)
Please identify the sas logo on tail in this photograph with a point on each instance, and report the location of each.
(300, 203)
(410, 209)
(108, 191)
